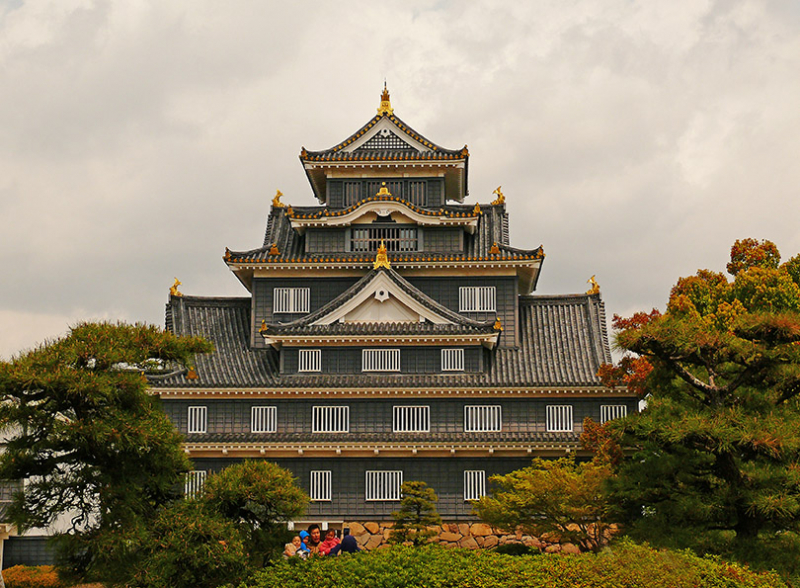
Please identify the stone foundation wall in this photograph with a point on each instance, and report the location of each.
(467, 535)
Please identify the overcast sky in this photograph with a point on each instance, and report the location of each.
(634, 140)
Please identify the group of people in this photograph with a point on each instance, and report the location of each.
(310, 543)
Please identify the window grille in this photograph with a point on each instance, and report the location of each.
(380, 360)
(198, 419)
(411, 419)
(393, 238)
(384, 485)
(474, 484)
(452, 360)
(320, 488)
(352, 193)
(416, 193)
(385, 139)
(291, 300)
(559, 418)
(263, 419)
(609, 412)
(482, 419)
(193, 483)
(330, 419)
(477, 299)
(310, 360)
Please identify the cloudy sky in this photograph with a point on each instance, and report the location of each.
(636, 140)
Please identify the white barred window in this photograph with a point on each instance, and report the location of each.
(320, 488)
(474, 484)
(411, 419)
(609, 412)
(477, 298)
(482, 419)
(291, 300)
(310, 360)
(263, 419)
(384, 485)
(198, 419)
(380, 360)
(559, 418)
(452, 360)
(193, 483)
(330, 419)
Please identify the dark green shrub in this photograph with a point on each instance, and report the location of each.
(515, 549)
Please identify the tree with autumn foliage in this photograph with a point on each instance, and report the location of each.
(91, 443)
(717, 449)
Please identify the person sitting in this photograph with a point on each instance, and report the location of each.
(294, 548)
(313, 540)
(331, 541)
(348, 545)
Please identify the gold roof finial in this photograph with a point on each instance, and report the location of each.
(263, 328)
(276, 202)
(386, 103)
(173, 290)
(595, 289)
(191, 373)
(381, 259)
(497, 325)
(384, 191)
(477, 210)
(274, 249)
(494, 250)
(500, 196)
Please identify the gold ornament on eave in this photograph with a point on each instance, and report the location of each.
(595, 289)
(276, 201)
(381, 259)
(173, 290)
(386, 103)
(500, 196)
(384, 191)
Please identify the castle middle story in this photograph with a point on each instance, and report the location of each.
(388, 334)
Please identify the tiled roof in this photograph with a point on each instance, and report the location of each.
(381, 438)
(562, 342)
(290, 246)
(461, 324)
(337, 152)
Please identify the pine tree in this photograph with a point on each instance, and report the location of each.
(416, 515)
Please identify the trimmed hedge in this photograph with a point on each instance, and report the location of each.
(627, 565)
(32, 577)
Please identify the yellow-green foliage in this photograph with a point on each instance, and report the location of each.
(626, 566)
(32, 577)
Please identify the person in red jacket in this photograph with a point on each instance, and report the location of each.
(331, 541)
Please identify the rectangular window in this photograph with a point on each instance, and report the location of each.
(263, 419)
(411, 419)
(352, 193)
(609, 412)
(291, 300)
(310, 360)
(193, 483)
(330, 419)
(474, 484)
(477, 299)
(320, 488)
(416, 193)
(482, 419)
(393, 238)
(559, 418)
(380, 360)
(198, 419)
(384, 485)
(452, 360)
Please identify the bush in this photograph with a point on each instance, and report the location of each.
(627, 565)
(32, 577)
(516, 549)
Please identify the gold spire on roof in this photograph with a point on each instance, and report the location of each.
(381, 259)
(384, 191)
(500, 197)
(595, 289)
(173, 290)
(276, 202)
(386, 103)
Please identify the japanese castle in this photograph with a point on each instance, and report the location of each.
(388, 334)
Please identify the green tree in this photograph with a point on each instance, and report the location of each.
(190, 546)
(718, 446)
(557, 498)
(91, 442)
(416, 515)
(259, 497)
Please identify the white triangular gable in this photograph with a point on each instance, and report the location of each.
(382, 126)
(382, 301)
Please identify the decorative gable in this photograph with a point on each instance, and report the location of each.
(387, 135)
(385, 140)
